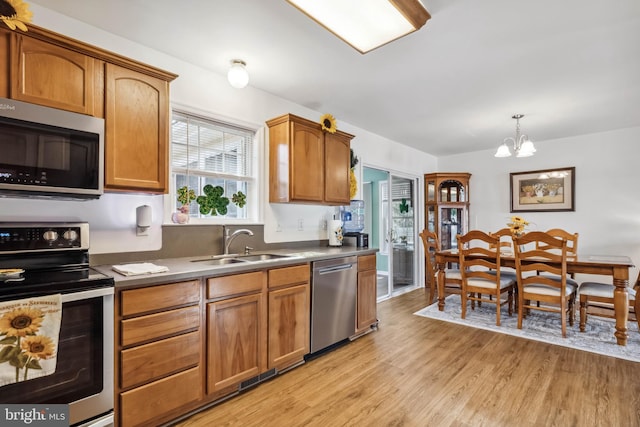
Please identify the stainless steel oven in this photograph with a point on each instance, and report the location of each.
(54, 257)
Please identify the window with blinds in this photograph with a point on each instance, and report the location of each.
(205, 151)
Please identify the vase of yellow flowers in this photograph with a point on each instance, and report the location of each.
(517, 225)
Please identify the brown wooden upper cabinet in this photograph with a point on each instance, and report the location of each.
(307, 165)
(50, 69)
(50, 75)
(136, 130)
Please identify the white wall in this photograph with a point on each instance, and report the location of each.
(607, 195)
(112, 217)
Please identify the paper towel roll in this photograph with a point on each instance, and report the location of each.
(334, 229)
(143, 216)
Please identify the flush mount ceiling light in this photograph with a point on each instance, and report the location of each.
(521, 144)
(237, 75)
(366, 24)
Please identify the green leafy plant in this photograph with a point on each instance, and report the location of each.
(186, 195)
(354, 159)
(213, 202)
(239, 199)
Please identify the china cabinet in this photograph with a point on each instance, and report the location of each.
(447, 205)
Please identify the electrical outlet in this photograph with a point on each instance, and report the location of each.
(300, 224)
(323, 224)
(278, 228)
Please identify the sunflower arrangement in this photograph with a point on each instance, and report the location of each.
(517, 225)
(328, 123)
(14, 13)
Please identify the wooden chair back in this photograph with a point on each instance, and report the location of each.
(572, 240)
(431, 245)
(479, 259)
(547, 255)
(505, 239)
(479, 254)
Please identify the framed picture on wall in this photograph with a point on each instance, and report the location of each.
(549, 190)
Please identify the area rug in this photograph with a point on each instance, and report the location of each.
(541, 326)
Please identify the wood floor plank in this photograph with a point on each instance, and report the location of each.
(421, 372)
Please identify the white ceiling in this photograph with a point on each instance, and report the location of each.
(572, 67)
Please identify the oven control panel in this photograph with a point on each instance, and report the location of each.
(20, 237)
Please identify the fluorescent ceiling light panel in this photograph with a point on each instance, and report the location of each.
(366, 24)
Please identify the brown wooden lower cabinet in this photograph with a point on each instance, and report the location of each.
(366, 313)
(184, 345)
(236, 330)
(289, 316)
(157, 359)
(142, 405)
(234, 341)
(159, 337)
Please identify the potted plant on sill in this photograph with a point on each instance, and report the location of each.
(185, 197)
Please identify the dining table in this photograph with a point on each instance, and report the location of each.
(616, 266)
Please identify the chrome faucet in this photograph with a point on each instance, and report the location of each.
(228, 238)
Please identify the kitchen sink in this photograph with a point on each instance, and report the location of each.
(218, 261)
(261, 257)
(234, 259)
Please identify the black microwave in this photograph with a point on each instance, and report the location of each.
(46, 152)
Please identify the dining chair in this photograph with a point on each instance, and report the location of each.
(602, 295)
(572, 246)
(506, 248)
(548, 256)
(481, 275)
(453, 279)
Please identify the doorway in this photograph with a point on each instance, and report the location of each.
(390, 220)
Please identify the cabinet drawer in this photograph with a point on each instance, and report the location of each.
(236, 284)
(141, 405)
(153, 326)
(155, 298)
(152, 361)
(367, 262)
(289, 275)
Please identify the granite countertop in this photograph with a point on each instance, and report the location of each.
(180, 269)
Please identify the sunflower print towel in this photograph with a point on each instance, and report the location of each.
(29, 330)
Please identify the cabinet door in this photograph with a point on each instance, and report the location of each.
(50, 75)
(307, 163)
(137, 131)
(288, 325)
(337, 166)
(5, 62)
(366, 314)
(236, 330)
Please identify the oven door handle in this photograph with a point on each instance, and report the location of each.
(91, 293)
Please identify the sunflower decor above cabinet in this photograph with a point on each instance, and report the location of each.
(306, 163)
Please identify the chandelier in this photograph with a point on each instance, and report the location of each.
(522, 146)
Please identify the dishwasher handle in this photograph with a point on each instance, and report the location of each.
(334, 269)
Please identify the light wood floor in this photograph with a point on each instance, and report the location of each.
(416, 371)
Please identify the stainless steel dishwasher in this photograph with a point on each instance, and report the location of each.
(333, 301)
